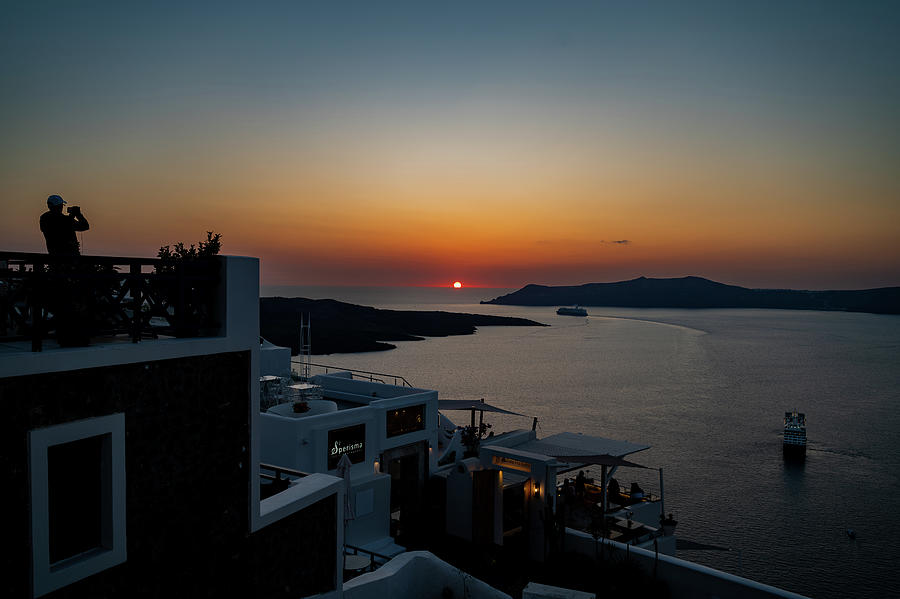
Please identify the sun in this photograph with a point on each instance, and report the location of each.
(457, 285)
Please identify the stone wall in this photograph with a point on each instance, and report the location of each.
(187, 492)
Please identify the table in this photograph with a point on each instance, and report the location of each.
(356, 563)
(316, 407)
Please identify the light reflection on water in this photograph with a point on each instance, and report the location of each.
(707, 389)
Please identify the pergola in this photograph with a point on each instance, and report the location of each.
(473, 405)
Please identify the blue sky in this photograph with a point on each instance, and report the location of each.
(750, 142)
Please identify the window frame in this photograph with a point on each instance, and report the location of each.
(47, 576)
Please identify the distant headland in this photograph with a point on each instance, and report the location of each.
(697, 292)
(338, 327)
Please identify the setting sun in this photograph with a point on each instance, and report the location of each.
(457, 285)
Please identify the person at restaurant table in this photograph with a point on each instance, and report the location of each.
(636, 491)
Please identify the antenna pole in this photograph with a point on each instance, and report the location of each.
(305, 344)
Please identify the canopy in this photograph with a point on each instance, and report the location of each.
(580, 446)
(604, 460)
(471, 404)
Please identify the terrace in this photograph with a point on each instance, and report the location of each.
(50, 302)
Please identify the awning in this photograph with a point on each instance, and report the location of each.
(603, 460)
(575, 445)
(471, 404)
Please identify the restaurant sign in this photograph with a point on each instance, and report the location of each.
(350, 440)
(405, 420)
(512, 463)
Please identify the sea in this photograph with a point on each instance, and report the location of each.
(707, 390)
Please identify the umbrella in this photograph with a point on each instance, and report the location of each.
(343, 471)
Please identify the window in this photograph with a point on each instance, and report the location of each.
(77, 500)
(405, 420)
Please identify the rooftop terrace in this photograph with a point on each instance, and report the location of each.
(48, 302)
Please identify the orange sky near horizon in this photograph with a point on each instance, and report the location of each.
(491, 231)
(547, 147)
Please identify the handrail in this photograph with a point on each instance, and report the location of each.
(279, 470)
(371, 374)
(357, 550)
(278, 484)
(76, 297)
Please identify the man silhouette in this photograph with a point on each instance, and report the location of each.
(59, 229)
(66, 297)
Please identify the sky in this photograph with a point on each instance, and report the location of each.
(495, 143)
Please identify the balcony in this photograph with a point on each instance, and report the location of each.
(48, 302)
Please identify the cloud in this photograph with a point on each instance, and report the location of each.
(581, 243)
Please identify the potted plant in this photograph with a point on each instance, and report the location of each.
(193, 298)
(472, 436)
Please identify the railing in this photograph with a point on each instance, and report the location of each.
(354, 550)
(277, 471)
(620, 500)
(73, 298)
(277, 483)
(364, 374)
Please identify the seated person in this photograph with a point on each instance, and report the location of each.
(613, 491)
(636, 491)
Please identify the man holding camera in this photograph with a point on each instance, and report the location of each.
(59, 229)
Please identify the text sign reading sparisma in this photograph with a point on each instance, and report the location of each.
(350, 440)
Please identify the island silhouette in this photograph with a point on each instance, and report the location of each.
(697, 292)
(338, 327)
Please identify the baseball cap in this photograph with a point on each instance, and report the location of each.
(55, 200)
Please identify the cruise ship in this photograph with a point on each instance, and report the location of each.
(794, 443)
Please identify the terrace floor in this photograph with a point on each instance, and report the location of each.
(585, 515)
(24, 346)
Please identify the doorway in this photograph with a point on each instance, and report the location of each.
(406, 467)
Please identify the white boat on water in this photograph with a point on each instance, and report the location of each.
(794, 443)
(574, 311)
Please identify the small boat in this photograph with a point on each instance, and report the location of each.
(574, 311)
(794, 442)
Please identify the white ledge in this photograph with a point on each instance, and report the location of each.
(300, 495)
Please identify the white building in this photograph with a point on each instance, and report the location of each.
(389, 432)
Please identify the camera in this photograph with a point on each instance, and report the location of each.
(74, 210)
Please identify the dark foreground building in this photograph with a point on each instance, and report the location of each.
(131, 465)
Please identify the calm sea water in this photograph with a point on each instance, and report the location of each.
(707, 389)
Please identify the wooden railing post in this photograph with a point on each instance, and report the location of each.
(137, 301)
(36, 300)
(34, 285)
